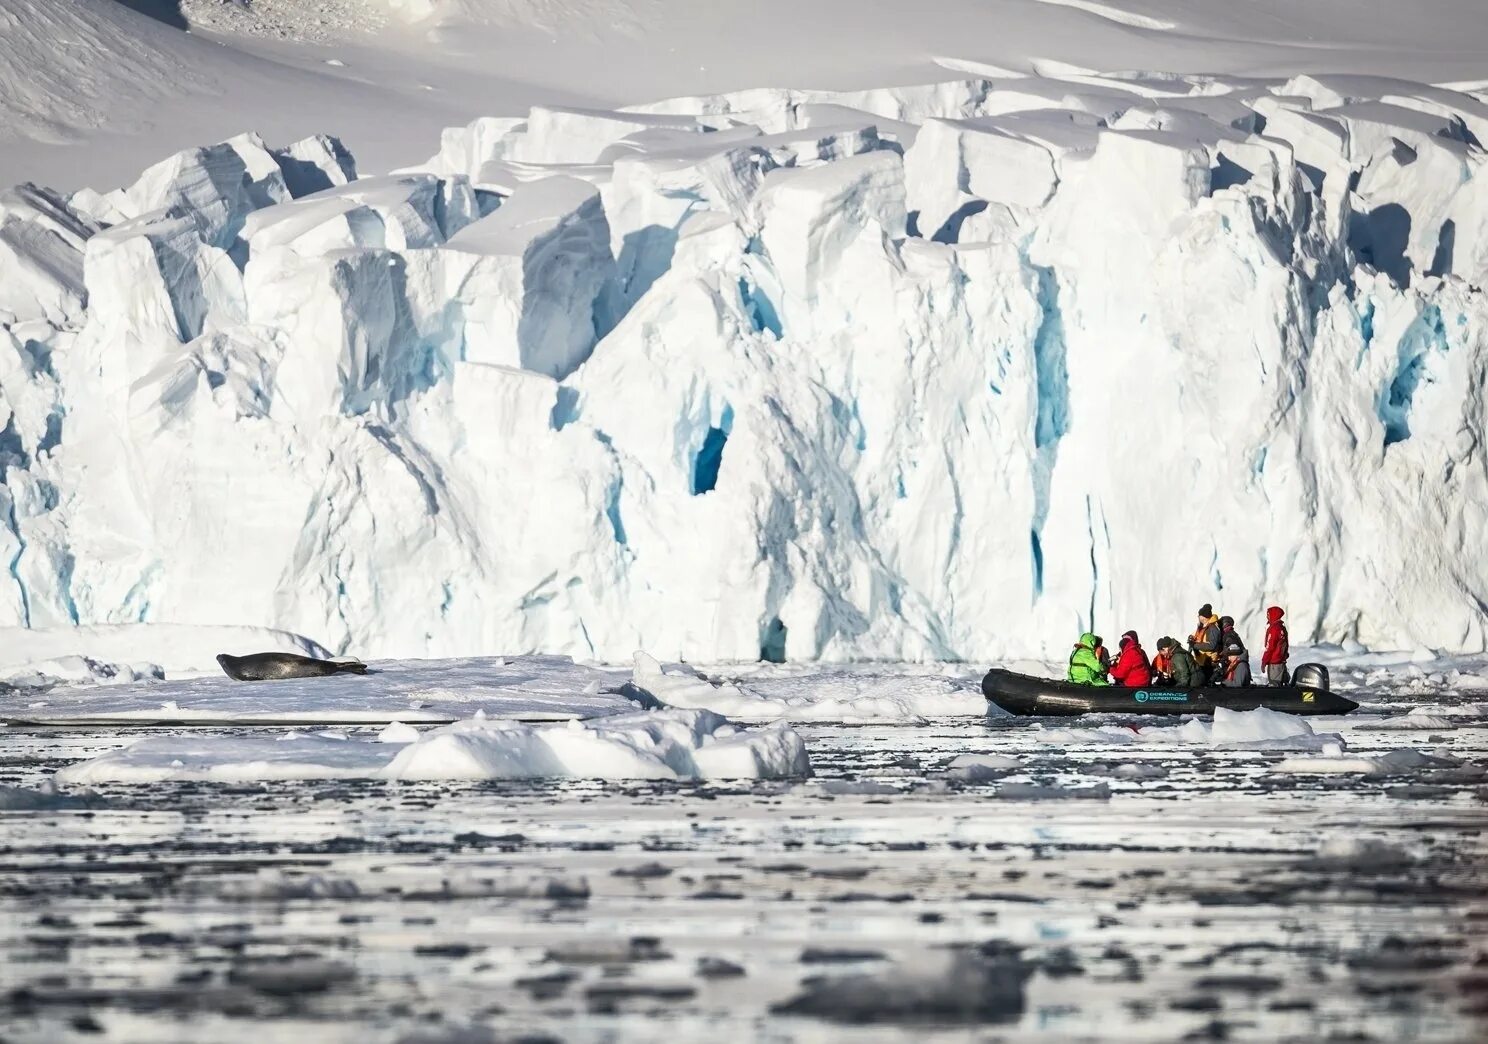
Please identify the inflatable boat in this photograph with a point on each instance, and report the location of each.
(1022, 694)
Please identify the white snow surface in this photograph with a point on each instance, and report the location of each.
(668, 744)
(845, 696)
(951, 371)
(530, 688)
(177, 649)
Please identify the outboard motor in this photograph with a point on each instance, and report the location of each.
(1311, 676)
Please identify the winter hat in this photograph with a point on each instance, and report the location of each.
(1165, 643)
(1206, 609)
(1131, 635)
(1234, 649)
(1226, 621)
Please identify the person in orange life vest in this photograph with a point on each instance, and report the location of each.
(1278, 648)
(1131, 668)
(1162, 661)
(1204, 643)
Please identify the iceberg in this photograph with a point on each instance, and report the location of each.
(777, 374)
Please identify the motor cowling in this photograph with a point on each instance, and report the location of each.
(1311, 676)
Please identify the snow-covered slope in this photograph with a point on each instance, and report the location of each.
(91, 91)
(948, 371)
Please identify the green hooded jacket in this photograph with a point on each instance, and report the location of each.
(1084, 666)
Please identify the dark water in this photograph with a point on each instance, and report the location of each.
(1202, 896)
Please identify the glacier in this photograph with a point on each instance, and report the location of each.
(943, 372)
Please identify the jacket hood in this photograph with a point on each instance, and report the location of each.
(1274, 614)
(1088, 640)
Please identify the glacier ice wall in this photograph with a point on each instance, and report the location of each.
(952, 371)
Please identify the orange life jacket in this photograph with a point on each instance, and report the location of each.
(1163, 664)
(1202, 657)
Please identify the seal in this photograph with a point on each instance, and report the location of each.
(271, 665)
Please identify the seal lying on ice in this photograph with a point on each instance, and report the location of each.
(266, 666)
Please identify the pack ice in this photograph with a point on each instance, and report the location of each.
(950, 371)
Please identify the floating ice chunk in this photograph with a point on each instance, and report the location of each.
(1396, 762)
(975, 768)
(1415, 720)
(651, 745)
(398, 732)
(1260, 724)
(45, 798)
(77, 670)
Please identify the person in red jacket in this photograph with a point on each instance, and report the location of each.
(1131, 668)
(1274, 659)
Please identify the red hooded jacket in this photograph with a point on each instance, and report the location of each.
(1277, 645)
(1131, 667)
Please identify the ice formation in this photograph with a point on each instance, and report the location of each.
(841, 697)
(1259, 729)
(952, 371)
(525, 688)
(669, 744)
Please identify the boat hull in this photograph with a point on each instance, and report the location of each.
(1026, 695)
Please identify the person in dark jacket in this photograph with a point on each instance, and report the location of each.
(1278, 648)
(1179, 671)
(1102, 653)
(1132, 669)
(1235, 673)
(1228, 635)
(1205, 642)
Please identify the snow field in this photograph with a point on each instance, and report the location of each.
(901, 354)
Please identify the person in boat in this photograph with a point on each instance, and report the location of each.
(1103, 654)
(1175, 666)
(1085, 667)
(1228, 635)
(1162, 662)
(1204, 644)
(1235, 672)
(1131, 668)
(1278, 648)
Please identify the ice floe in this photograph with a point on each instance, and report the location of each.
(669, 744)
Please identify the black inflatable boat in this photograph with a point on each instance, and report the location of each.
(1022, 694)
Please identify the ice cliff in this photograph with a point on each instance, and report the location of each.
(952, 371)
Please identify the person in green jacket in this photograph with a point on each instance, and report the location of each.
(1177, 667)
(1084, 665)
